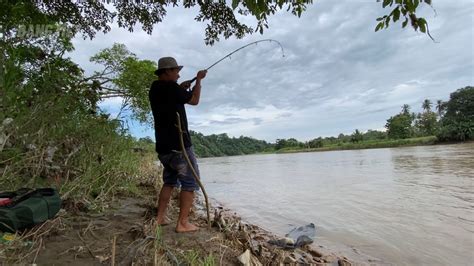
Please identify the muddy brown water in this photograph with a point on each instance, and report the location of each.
(400, 206)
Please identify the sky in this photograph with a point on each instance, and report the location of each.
(337, 74)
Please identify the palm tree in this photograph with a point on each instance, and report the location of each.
(406, 109)
(427, 105)
(440, 107)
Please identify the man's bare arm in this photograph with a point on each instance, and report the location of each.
(197, 88)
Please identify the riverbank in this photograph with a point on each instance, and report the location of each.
(373, 144)
(125, 232)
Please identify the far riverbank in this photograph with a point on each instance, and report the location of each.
(371, 144)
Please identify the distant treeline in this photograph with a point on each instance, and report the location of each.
(222, 145)
(451, 121)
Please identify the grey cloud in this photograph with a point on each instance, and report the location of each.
(235, 120)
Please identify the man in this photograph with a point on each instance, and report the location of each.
(168, 98)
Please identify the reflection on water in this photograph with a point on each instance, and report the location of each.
(401, 205)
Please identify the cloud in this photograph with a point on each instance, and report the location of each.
(237, 121)
(337, 74)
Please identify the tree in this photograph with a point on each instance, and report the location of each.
(125, 76)
(90, 17)
(146, 140)
(440, 107)
(288, 143)
(374, 135)
(356, 136)
(427, 124)
(458, 122)
(427, 105)
(292, 142)
(316, 143)
(400, 125)
(222, 145)
(406, 109)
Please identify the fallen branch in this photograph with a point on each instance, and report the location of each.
(196, 176)
(86, 245)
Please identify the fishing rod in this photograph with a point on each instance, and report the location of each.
(243, 47)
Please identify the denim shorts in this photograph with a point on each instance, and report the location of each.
(177, 173)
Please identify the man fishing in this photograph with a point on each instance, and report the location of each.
(168, 98)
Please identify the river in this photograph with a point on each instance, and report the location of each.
(401, 206)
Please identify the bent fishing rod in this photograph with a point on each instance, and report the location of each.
(243, 47)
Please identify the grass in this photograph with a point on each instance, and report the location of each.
(209, 260)
(193, 258)
(158, 237)
(373, 144)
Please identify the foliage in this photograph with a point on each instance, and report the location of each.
(400, 125)
(315, 143)
(440, 108)
(125, 76)
(368, 144)
(59, 140)
(222, 17)
(374, 135)
(427, 105)
(285, 143)
(87, 17)
(222, 145)
(356, 136)
(52, 133)
(405, 128)
(320, 142)
(407, 9)
(458, 121)
(426, 123)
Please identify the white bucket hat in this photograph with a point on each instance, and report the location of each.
(166, 63)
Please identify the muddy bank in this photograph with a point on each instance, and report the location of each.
(126, 234)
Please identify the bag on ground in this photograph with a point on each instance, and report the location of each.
(27, 207)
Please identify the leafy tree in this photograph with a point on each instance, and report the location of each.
(146, 140)
(288, 143)
(357, 136)
(427, 123)
(316, 143)
(458, 122)
(400, 125)
(292, 142)
(222, 145)
(374, 135)
(343, 138)
(125, 76)
(90, 17)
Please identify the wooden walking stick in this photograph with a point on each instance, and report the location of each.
(198, 179)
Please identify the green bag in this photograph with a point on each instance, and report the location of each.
(28, 208)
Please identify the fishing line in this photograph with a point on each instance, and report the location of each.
(243, 47)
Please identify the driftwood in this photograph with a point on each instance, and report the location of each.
(196, 176)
